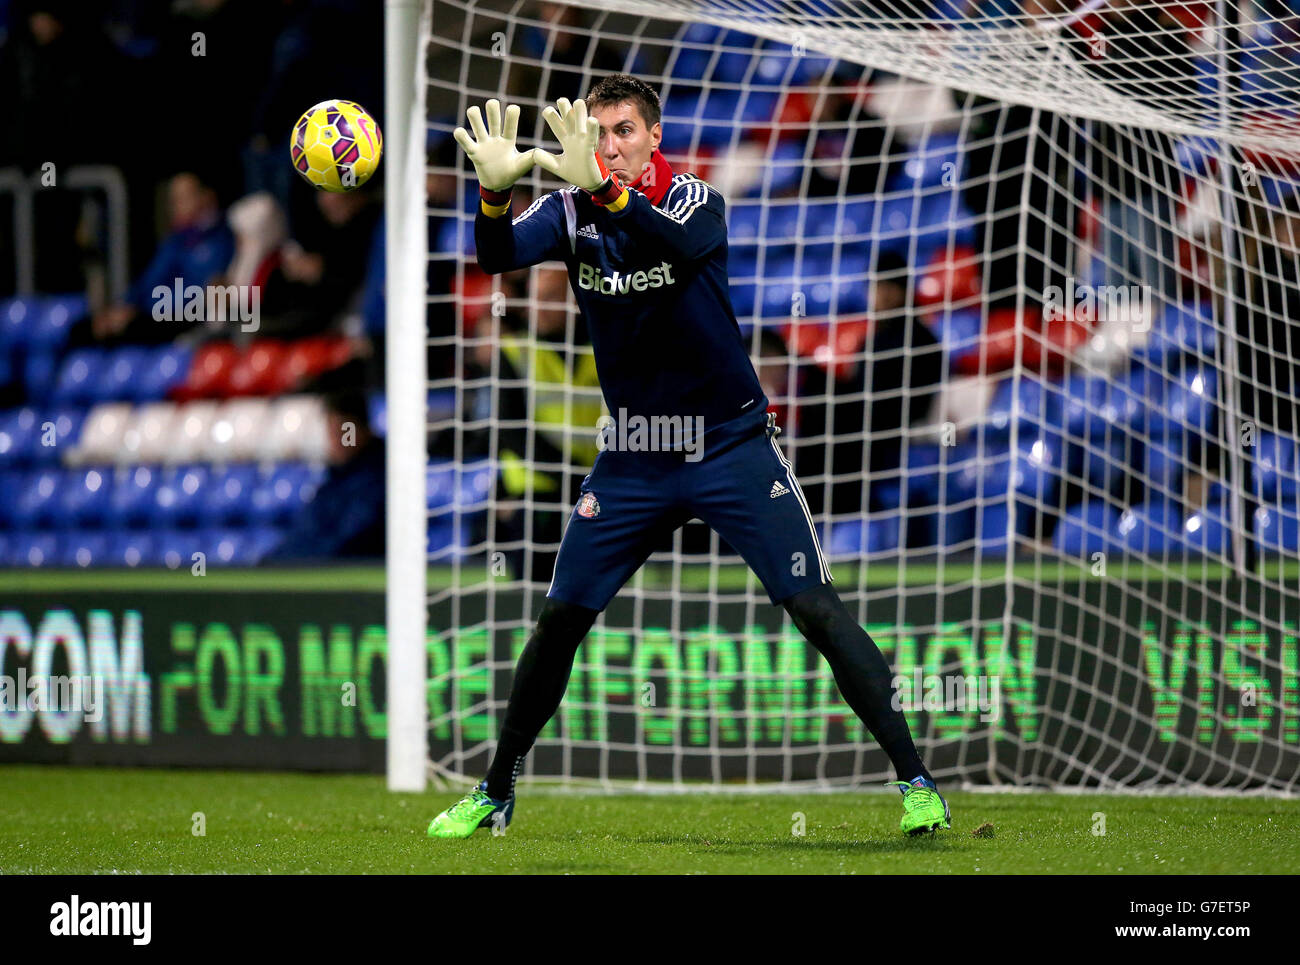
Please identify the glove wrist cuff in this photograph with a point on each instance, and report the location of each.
(494, 203)
(609, 192)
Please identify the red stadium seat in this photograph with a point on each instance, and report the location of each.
(951, 281)
(309, 357)
(259, 369)
(209, 375)
(836, 347)
(474, 295)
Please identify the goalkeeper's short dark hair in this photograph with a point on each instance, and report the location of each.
(618, 88)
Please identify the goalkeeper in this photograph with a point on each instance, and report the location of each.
(646, 252)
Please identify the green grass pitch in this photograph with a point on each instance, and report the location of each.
(62, 820)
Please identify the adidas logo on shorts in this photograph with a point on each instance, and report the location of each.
(777, 490)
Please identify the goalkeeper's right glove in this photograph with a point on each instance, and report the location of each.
(580, 164)
(497, 163)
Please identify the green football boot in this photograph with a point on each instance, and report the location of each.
(475, 810)
(924, 808)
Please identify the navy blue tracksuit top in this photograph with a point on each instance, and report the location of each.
(651, 281)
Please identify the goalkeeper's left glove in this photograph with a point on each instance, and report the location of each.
(580, 165)
(497, 163)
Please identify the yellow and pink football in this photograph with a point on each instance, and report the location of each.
(336, 146)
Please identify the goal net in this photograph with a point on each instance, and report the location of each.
(1022, 283)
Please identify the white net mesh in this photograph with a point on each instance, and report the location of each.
(1021, 281)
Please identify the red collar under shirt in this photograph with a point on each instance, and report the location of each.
(655, 179)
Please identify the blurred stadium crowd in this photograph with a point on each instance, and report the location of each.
(127, 441)
(130, 439)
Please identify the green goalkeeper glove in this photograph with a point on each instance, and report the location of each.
(580, 165)
(497, 162)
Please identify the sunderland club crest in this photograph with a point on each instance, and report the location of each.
(588, 506)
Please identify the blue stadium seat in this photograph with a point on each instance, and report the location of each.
(1188, 404)
(1088, 528)
(742, 262)
(474, 487)
(83, 549)
(175, 548)
(783, 170)
(282, 492)
(783, 226)
(780, 66)
(938, 162)
(80, 376)
(457, 235)
(1277, 528)
(54, 320)
(67, 422)
(960, 332)
(85, 497)
(850, 538)
(1153, 529)
(228, 497)
(1032, 471)
(1166, 464)
(758, 106)
(132, 494)
(180, 496)
(131, 548)
(259, 541)
(165, 369)
(225, 547)
(991, 528)
(36, 504)
(1208, 531)
(694, 52)
(1106, 460)
(39, 366)
(1277, 468)
(121, 374)
(19, 434)
(854, 221)
(1180, 331)
(743, 296)
(18, 316)
(744, 222)
(34, 549)
(377, 413)
(442, 541)
(440, 485)
(1096, 407)
(1028, 403)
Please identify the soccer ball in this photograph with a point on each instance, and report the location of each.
(336, 145)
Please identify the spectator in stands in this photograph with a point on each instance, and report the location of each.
(862, 418)
(197, 251)
(320, 276)
(346, 517)
(547, 407)
(852, 150)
